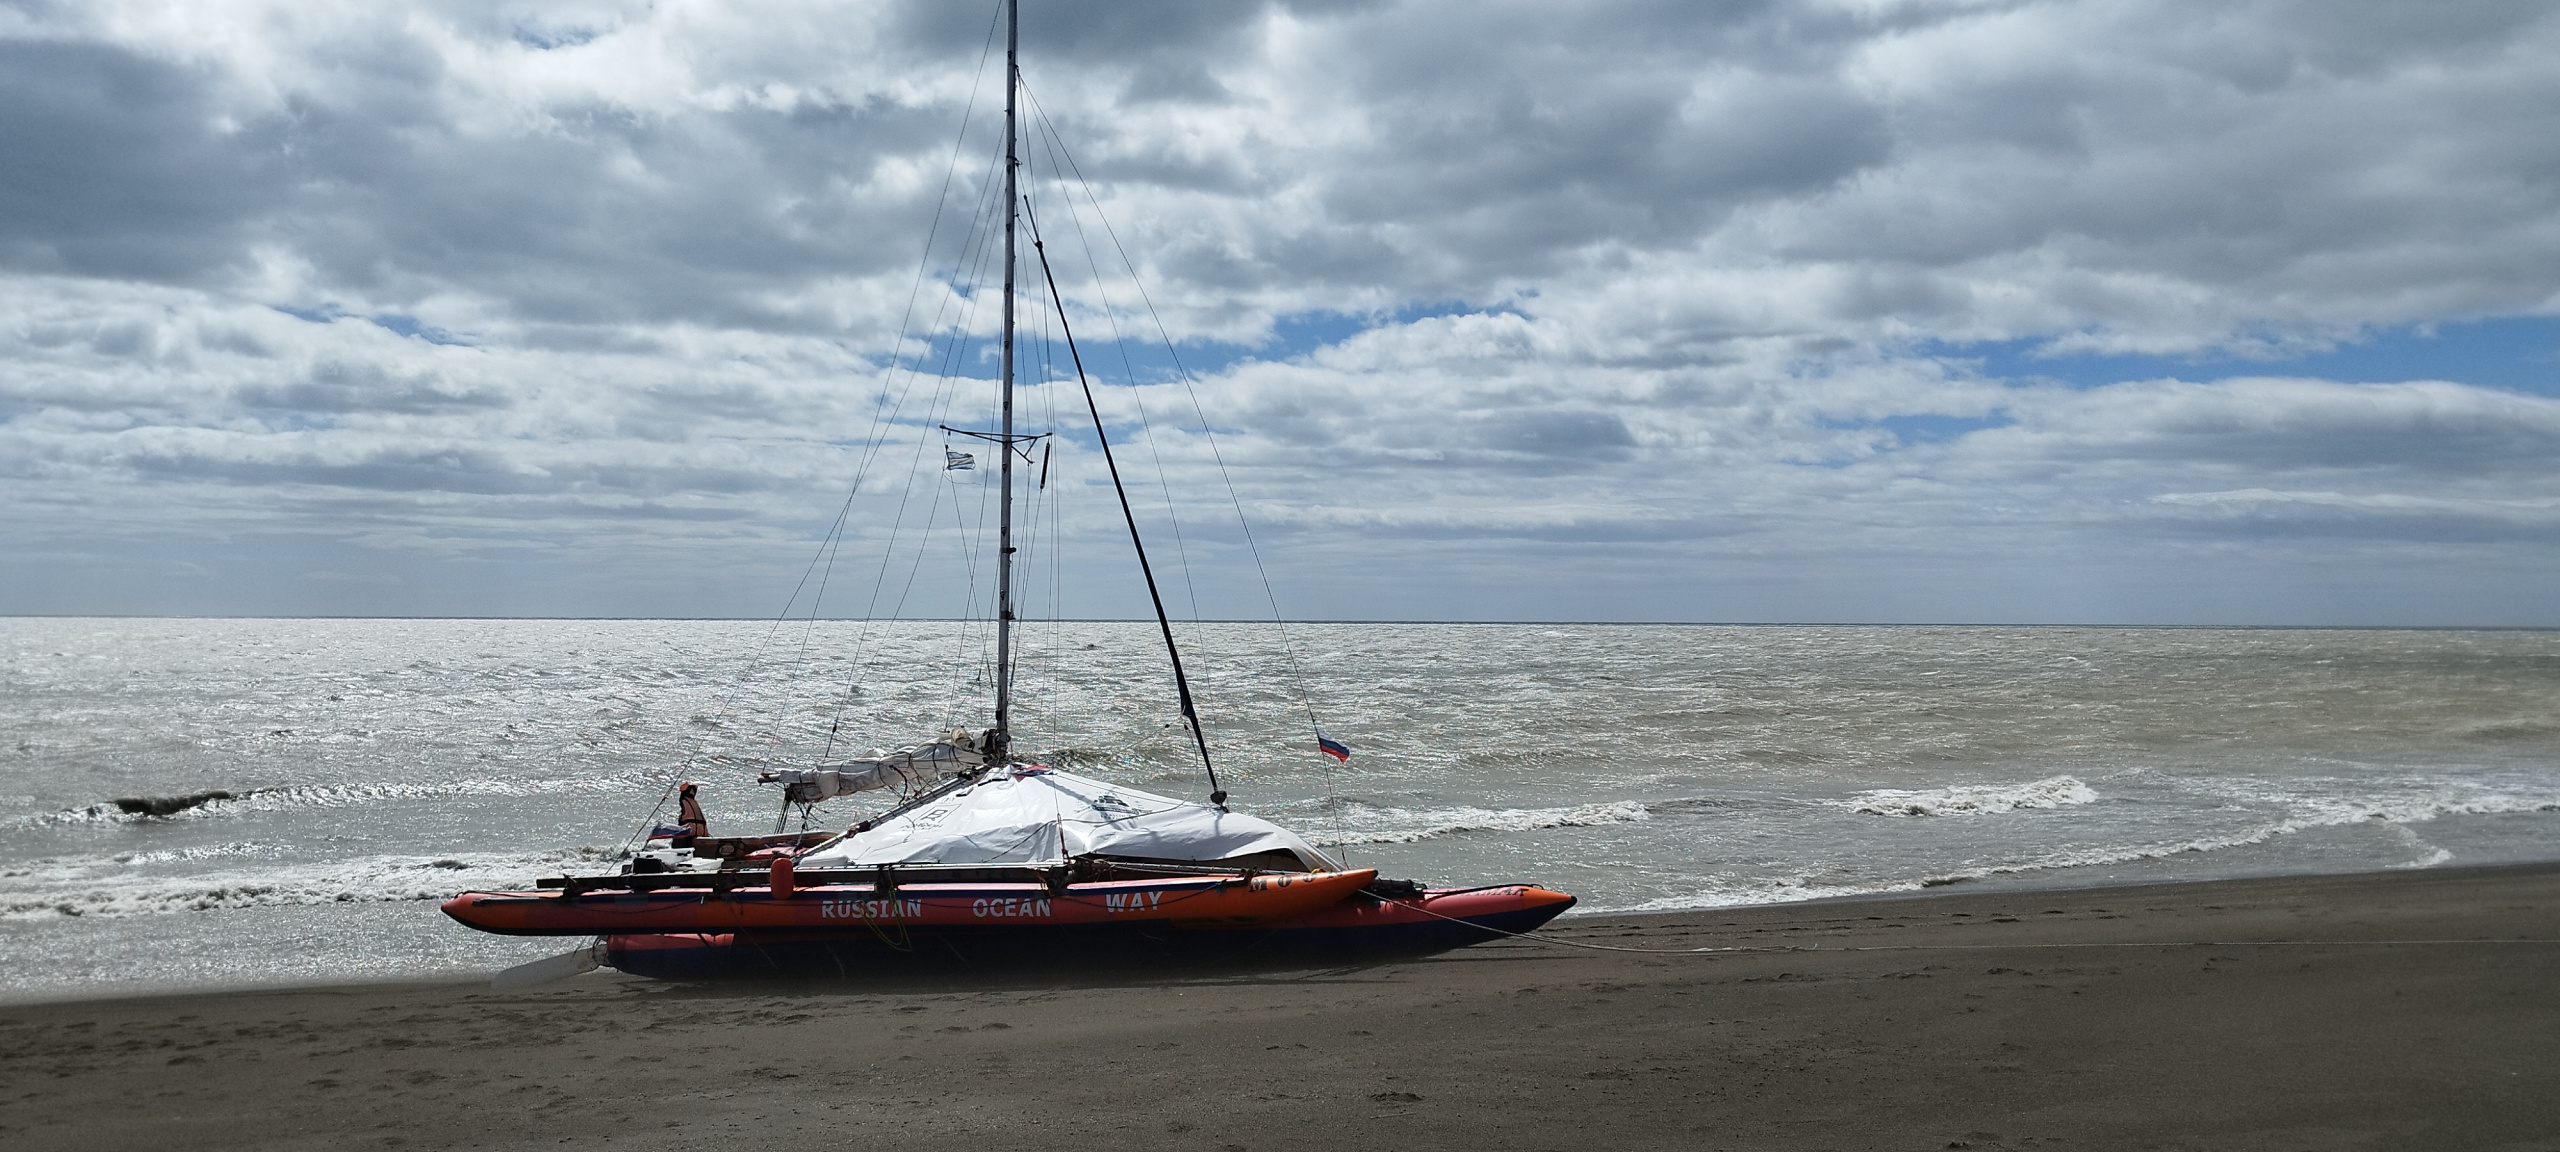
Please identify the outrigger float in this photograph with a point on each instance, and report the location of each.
(987, 858)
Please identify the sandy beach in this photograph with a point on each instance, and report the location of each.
(2397, 1010)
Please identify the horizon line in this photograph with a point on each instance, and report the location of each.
(1267, 620)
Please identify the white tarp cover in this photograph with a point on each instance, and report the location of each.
(1042, 815)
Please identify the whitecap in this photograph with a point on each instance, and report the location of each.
(1731, 893)
(77, 888)
(2322, 813)
(1367, 825)
(1971, 799)
(329, 796)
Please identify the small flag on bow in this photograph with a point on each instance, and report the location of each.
(957, 461)
(1334, 748)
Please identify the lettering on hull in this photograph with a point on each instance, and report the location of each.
(1131, 901)
(1009, 906)
(870, 909)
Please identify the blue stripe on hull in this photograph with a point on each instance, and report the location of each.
(1052, 948)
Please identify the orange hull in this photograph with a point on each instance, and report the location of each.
(1438, 906)
(1194, 902)
(1358, 930)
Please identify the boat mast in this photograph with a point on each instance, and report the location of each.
(999, 741)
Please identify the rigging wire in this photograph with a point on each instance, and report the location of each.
(893, 405)
(1181, 683)
(1040, 548)
(1128, 367)
(955, 353)
(1182, 373)
(952, 347)
(887, 420)
(1071, 176)
(905, 328)
(877, 440)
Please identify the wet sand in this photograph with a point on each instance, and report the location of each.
(2369, 1011)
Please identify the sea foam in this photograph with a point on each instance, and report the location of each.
(1972, 799)
(1633, 766)
(1378, 825)
(334, 796)
(2309, 813)
(49, 889)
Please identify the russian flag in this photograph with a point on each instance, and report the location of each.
(1332, 747)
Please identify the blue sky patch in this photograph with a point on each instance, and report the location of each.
(549, 39)
(411, 326)
(2516, 353)
(1293, 335)
(393, 322)
(1935, 429)
(1142, 355)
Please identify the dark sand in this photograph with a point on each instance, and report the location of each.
(1977, 1039)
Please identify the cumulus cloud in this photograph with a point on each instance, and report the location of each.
(1625, 309)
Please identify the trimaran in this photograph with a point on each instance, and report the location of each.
(990, 858)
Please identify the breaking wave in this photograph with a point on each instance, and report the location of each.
(1369, 825)
(1738, 893)
(2311, 813)
(1972, 800)
(48, 889)
(321, 796)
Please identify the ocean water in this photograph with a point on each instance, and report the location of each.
(377, 766)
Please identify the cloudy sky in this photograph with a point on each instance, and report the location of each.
(1854, 310)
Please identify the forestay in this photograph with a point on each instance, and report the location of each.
(1027, 815)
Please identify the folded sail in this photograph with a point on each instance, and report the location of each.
(955, 753)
